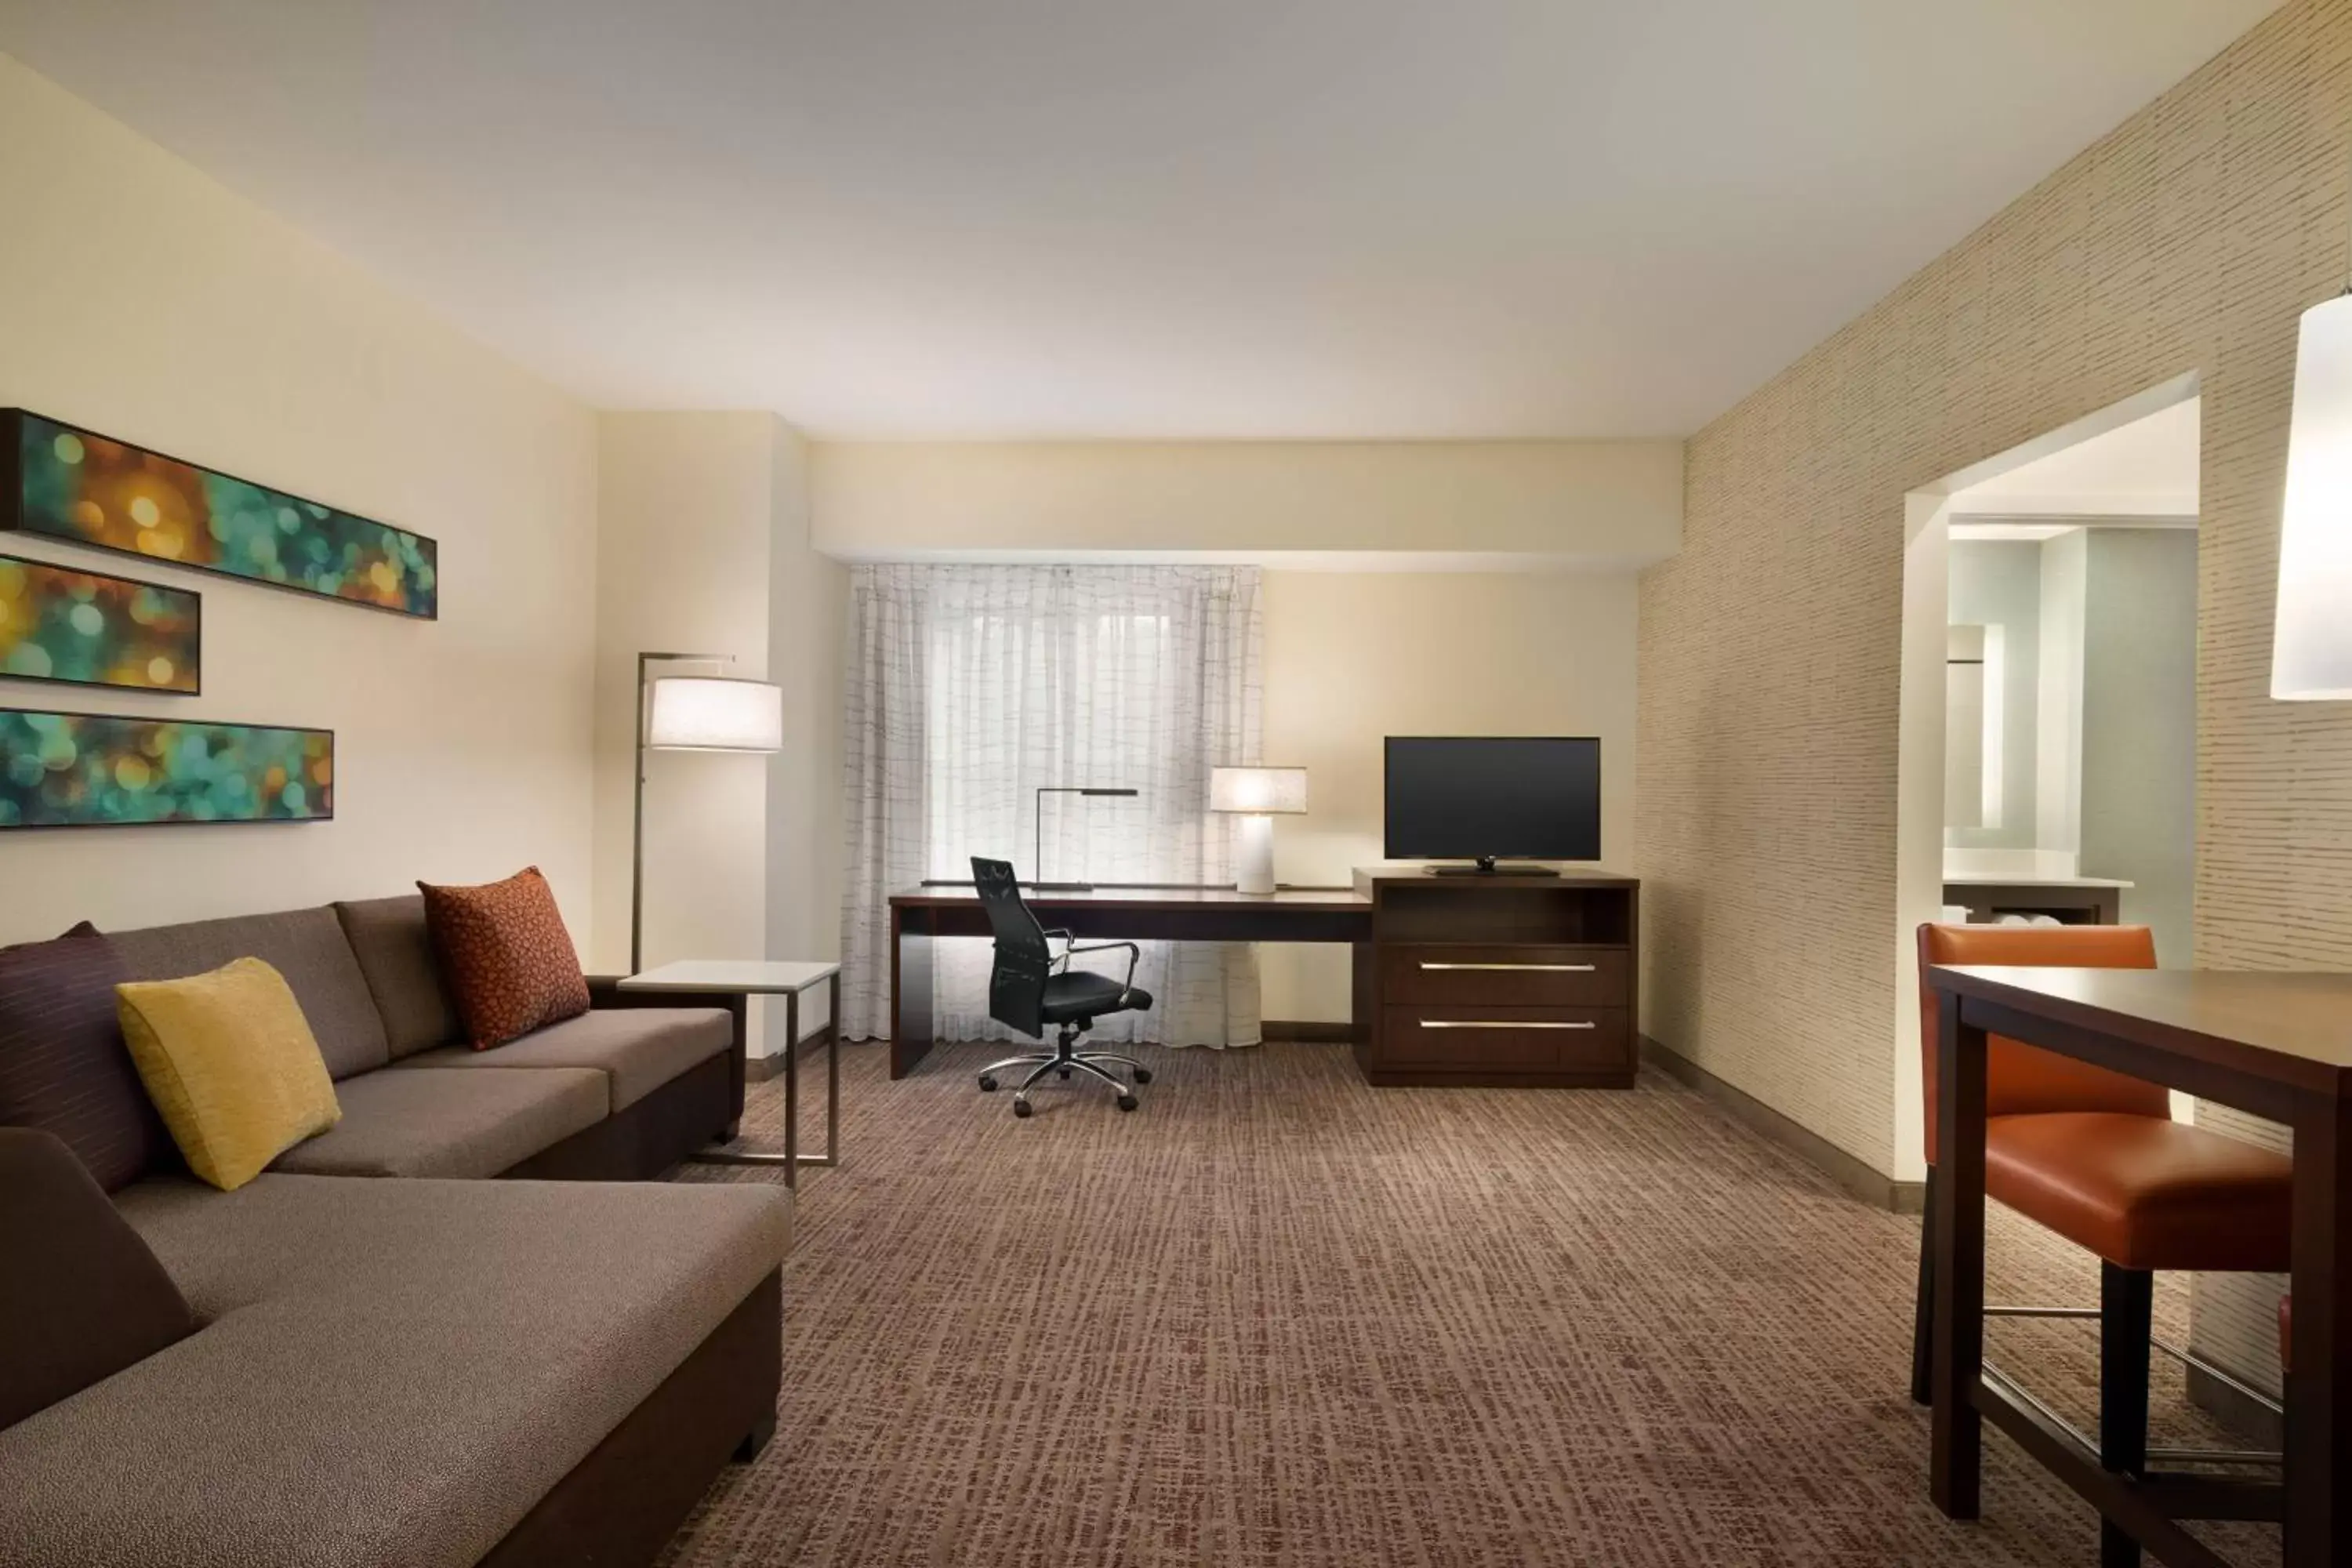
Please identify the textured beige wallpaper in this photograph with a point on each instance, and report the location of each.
(2188, 240)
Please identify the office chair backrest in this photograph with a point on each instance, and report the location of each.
(1016, 982)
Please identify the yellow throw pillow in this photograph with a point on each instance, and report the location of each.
(231, 1063)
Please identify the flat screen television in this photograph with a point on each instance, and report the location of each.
(1484, 798)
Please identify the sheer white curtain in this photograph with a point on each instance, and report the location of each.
(970, 686)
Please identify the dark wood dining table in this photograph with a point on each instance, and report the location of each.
(2276, 1045)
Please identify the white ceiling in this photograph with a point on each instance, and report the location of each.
(1155, 219)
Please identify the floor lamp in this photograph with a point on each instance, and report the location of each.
(692, 713)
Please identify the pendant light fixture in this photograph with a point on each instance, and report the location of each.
(2311, 650)
(2311, 645)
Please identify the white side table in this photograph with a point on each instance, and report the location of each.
(769, 977)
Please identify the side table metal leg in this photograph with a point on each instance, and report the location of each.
(831, 1155)
(791, 1088)
(788, 1161)
(791, 1158)
(832, 1095)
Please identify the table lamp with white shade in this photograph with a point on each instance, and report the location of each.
(692, 713)
(1256, 794)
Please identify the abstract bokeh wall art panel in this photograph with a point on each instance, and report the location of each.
(64, 482)
(92, 629)
(104, 770)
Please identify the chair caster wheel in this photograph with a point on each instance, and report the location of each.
(1021, 1108)
(987, 1084)
(1127, 1103)
(1063, 1073)
(1143, 1075)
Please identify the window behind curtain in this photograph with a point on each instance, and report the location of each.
(972, 686)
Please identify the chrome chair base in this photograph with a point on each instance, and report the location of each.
(1066, 1059)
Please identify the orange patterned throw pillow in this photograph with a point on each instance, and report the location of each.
(509, 962)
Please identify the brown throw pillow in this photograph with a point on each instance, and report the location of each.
(82, 1296)
(509, 962)
(63, 1065)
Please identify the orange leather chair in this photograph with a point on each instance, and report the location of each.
(2096, 1157)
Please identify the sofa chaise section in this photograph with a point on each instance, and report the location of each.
(420, 1373)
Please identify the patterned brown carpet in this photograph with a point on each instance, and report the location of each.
(1276, 1317)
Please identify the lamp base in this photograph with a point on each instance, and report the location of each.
(1253, 872)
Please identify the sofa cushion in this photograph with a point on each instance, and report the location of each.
(82, 1296)
(63, 1067)
(391, 1371)
(395, 950)
(510, 963)
(229, 1062)
(640, 1048)
(443, 1123)
(306, 946)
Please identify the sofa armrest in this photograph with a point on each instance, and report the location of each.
(81, 1296)
(604, 990)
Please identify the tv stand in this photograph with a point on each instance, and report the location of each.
(1498, 979)
(1485, 866)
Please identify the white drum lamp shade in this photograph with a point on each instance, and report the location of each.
(1261, 790)
(710, 713)
(1256, 794)
(2311, 650)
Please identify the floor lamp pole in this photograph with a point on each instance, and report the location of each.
(638, 809)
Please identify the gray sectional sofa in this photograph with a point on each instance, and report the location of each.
(396, 1361)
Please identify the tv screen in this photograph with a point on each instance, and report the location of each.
(1493, 797)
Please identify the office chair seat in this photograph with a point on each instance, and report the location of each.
(1081, 995)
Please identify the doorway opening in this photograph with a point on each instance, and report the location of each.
(2049, 720)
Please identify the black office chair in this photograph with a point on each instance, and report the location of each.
(1029, 988)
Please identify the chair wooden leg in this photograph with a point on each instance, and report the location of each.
(2127, 1300)
(1923, 1311)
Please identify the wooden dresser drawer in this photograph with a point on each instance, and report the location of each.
(1506, 1039)
(1513, 976)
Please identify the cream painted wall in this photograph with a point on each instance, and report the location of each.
(704, 530)
(808, 608)
(1436, 598)
(138, 297)
(1351, 658)
(1618, 502)
(683, 535)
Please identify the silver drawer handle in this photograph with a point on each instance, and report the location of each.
(1532, 968)
(1497, 1024)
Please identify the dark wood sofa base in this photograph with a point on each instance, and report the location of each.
(620, 1505)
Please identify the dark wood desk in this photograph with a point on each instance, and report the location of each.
(2279, 1046)
(1186, 914)
(1503, 982)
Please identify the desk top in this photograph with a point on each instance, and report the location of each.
(2289, 1028)
(1343, 899)
(752, 976)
